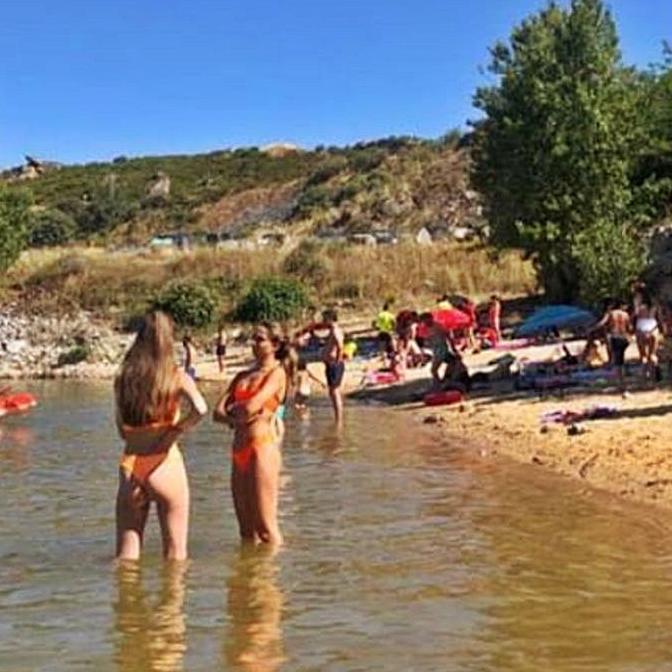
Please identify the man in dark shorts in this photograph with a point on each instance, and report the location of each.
(334, 364)
(618, 326)
(332, 357)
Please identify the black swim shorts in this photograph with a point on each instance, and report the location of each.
(334, 372)
(619, 344)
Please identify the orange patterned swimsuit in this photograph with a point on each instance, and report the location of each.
(140, 467)
(242, 457)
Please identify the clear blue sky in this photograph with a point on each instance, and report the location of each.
(84, 80)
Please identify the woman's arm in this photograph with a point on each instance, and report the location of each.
(197, 411)
(273, 386)
(221, 412)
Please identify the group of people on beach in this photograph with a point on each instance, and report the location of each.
(150, 391)
(642, 319)
(410, 339)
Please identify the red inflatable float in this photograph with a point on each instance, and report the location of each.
(16, 403)
(443, 398)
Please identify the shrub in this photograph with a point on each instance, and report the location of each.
(13, 224)
(328, 169)
(51, 227)
(189, 304)
(273, 299)
(75, 355)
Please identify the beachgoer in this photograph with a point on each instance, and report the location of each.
(618, 326)
(469, 309)
(456, 375)
(441, 344)
(384, 321)
(249, 406)
(591, 355)
(303, 389)
(647, 335)
(220, 348)
(349, 347)
(444, 303)
(189, 356)
(392, 358)
(494, 317)
(148, 391)
(332, 357)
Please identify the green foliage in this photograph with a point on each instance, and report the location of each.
(49, 228)
(104, 212)
(189, 304)
(552, 157)
(608, 259)
(367, 159)
(75, 355)
(272, 299)
(330, 167)
(14, 205)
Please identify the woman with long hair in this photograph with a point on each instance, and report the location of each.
(148, 391)
(250, 405)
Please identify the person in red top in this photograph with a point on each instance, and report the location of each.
(494, 315)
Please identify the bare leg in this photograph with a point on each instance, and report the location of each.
(170, 486)
(267, 462)
(132, 511)
(242, 491)
(337, 403)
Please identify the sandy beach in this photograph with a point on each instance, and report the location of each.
(624, 453)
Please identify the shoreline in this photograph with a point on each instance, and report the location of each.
(623, 454)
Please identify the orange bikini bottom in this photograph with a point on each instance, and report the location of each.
(242, 457)
(141, 467)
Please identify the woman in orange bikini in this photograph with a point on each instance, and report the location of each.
(148, 391)
(249, 406)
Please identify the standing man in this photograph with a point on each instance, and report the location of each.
(617, 323)
(333, 358)
(334, 364)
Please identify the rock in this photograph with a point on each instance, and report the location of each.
(160, 187)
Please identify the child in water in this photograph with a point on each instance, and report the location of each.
(304, 388)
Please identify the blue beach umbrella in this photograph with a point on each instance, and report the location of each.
(558, 317)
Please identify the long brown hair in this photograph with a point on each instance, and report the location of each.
(285, 353)
(147, 385)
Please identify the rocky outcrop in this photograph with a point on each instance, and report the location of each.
(52, 347)
(160, 186)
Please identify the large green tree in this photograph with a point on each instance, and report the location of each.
(14, 205)
(553, 153)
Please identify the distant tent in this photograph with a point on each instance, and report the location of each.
(423, 237)
(555, 317)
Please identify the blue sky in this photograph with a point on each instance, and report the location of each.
(84, 80)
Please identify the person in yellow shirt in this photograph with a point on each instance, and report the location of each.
(384, 321)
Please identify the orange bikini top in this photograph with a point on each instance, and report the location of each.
(172, 418)
(246, 393)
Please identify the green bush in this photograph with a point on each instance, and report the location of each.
(272, 299)
(13, 224)
(189, 304)
(51, 227)
(75, 355)
(331, 167)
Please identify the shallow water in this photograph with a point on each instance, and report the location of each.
(402, 554)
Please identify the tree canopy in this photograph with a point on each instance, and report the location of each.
(554, 153)
(14, 205)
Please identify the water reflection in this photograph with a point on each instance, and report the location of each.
(254, 603)
(15, 448)
(150, 633)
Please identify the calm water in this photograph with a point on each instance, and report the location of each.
(401, 554)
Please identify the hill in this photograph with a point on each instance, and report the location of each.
(398, 184)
